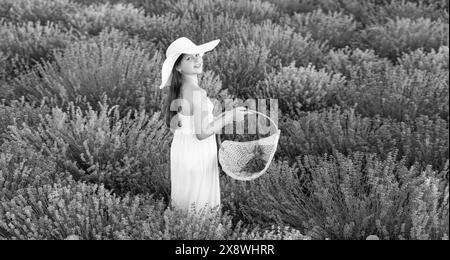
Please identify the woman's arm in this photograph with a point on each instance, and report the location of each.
(204, 129)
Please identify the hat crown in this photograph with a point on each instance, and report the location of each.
(180, 45)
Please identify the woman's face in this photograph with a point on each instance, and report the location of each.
(191, 64)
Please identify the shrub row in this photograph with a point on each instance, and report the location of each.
(26, 44)
(403, 35)
(244, 199)
(255, 11)
(68, 14)
(97, 17)
(301, 89)
(369, 11)
(69, 76)
(19, 112)
(86, 211)
(89, 69)
(336, 28)
(433, 61)
(203, 20)
(399, 93)
(58, 12)
(353, 78)
(21, 167)
(418, 85)
(434, 10)
(341, 197)
(421, 140)
(284, 44)
(37, 201)
(102, 147)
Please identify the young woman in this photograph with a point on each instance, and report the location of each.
(194, 170)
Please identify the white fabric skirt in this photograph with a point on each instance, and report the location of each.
(194, 172)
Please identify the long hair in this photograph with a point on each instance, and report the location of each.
(173, 92)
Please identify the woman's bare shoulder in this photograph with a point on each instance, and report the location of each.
(188, 94)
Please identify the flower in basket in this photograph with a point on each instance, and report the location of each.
(256, 163)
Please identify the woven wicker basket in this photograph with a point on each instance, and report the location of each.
(233, 155)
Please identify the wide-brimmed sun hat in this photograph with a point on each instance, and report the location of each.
(178, 47)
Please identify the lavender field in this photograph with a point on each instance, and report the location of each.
(363, 109)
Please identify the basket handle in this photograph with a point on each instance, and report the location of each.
(247, 111)
(253, 112)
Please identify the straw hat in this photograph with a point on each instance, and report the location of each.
(178, 47)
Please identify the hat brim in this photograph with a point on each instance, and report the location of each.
(170, 60)
(202, 48)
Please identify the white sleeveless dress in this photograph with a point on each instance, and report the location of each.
(194, 169)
